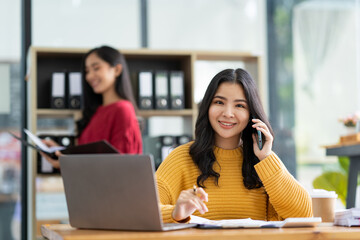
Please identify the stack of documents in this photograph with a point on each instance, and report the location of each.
(348, 217)
(250, 223)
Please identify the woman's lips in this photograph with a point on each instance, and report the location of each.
(227, 125)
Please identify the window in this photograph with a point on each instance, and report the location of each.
(10, 120)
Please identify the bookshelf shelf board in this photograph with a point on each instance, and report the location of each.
(57, 112)
(153, 113)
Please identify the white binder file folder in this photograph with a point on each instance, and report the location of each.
(161, 90)
(58, 90)
(75, 90)
(146, 90)
(177, 98)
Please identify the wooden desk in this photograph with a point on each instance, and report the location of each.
(353, 152)
(65, 232)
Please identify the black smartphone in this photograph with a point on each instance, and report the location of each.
(258, 137)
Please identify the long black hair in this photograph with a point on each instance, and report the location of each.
(123, 87)
(202, 150)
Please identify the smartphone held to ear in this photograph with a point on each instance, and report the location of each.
(258, 137)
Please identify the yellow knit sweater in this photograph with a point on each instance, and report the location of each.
(281, 197)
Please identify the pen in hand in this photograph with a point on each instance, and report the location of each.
(194, 189)
(202, 196)
(188, 202)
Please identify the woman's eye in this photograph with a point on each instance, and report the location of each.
(218, 102)
(240, 106)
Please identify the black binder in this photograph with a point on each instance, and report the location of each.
(102, 146)
(145, 79)
(159, 147)
(177, 98)
(180, 140)
(168, 143)
(151, 145)
(75, 90)
(58, 90)
(161, 90)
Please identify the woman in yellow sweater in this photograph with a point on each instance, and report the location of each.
(234, 178)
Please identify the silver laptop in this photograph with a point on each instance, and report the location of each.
(112, 191)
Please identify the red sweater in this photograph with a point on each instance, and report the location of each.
(117, 124)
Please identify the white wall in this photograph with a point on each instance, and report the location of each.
(86, 23)
(10, 30)
(207, 24)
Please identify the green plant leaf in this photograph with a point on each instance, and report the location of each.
(333, 181)
(344, 164)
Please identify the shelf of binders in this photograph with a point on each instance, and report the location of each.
(46, 61)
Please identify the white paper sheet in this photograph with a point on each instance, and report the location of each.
(40, 144)
(250, 223)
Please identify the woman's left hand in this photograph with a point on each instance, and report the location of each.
(267, 141)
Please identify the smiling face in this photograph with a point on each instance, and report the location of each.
(228, 114)
(100, 75)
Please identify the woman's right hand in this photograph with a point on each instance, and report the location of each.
(188, 202)
(51, 143)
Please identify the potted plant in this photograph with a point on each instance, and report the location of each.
(335, 180)
(351, 122)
